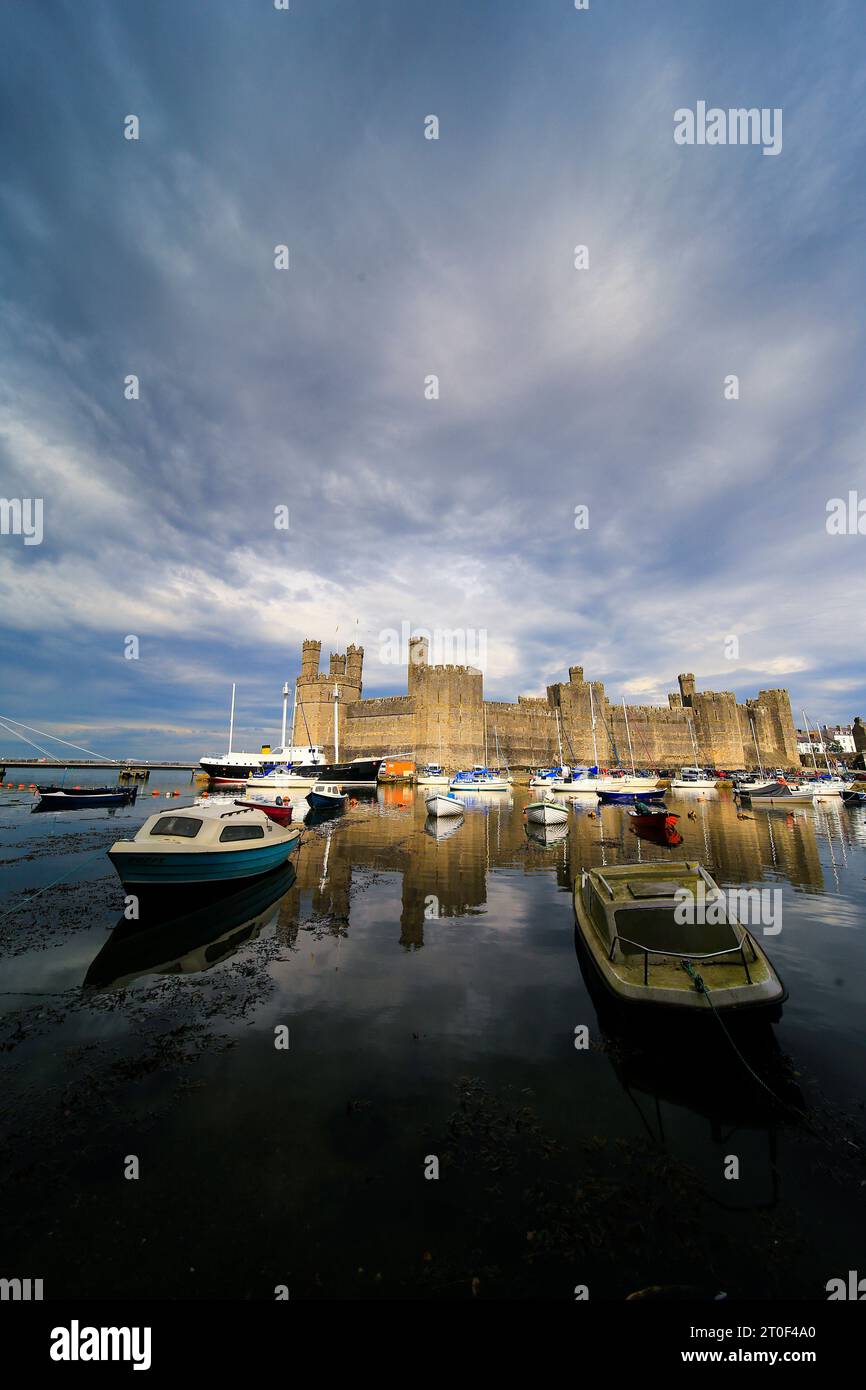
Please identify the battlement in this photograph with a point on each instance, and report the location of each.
(445, 718)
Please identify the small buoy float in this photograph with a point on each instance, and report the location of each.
(205, 794)
(353, 801)
(33, 786)
(154, 793)
(175, 793)
(21, 787)
(168, 795)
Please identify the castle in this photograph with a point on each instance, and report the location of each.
(444, 718)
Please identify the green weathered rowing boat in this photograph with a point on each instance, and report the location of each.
(631, 920)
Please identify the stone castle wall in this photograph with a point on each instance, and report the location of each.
(444, 718)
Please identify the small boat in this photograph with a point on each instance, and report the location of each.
(283, 780)
(654, 823)
(327, 796)
(852, 798)
(800, 793)
(448, 805)
(694, 778)
(627, 917)
(277, 808)
(203, 844)
(548, 811)
(478, 779)
(80, 798)
(631, 798)
(432, 775)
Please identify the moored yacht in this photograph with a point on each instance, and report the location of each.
(233, 768)
(478, 779)
(431, 775)
(694, 778)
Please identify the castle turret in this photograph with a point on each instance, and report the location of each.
(419, 651)
(311, 652)
(338, 664)
(687, 687)
(354, 667)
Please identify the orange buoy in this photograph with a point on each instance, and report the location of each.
(154, 793)
(205, 793)
(21, 787)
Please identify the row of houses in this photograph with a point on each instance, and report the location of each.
(836, 738)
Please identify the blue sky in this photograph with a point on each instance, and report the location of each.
(305, 388)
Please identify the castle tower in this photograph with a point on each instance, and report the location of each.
(338, 664)
(687, 688)
(355, 668)
(419, 663)
(310, 653)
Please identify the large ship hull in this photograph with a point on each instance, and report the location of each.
(363, 773)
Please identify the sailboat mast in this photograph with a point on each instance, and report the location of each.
(336, 723)
(823, 745)
(232, 719)
(811, 744)
(484, 713)
(628, 736)
(285, 711)
(757, 750)
(592, 716)
(558, 736)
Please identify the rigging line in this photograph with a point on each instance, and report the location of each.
(57, 739)
(15, 732)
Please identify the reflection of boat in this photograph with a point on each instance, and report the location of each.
(660, 1077)
(631, 920)
(448, 805)
(82, 798)
(547, 835)
(200, 844)
(182, 931)
(850, 798)
(442, 828)
(546, 812)
(327, 796)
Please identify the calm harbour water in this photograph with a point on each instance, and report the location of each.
(431, 987)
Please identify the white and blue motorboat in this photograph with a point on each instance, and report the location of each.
(203, 844)
(327, 796)
(478, 779)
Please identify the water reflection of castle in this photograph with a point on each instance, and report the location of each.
(449, 877)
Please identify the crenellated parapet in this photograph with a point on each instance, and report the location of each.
(445, 718)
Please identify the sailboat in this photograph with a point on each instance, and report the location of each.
(232, 769)
(360, 772)
(693, 778)
(591, 781)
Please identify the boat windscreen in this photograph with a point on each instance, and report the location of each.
(185, 826)
(657, 929)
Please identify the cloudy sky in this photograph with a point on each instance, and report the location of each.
(259, 388)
